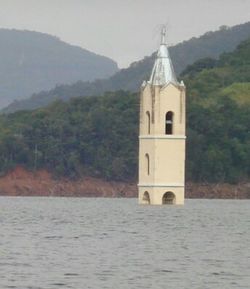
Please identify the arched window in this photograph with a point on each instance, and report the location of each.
(146, 198)
(148, 121)
(168, 198)
(169, 122)
(147, 163)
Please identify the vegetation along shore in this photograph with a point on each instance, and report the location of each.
(94, 140)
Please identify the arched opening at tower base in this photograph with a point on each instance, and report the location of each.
(146, 199)
(168, 198)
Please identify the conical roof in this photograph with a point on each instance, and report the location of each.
(163, 71)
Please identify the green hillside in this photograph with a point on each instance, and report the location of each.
(239, 92)
(32, 61)
(99, 135)
(211, 44)
(219, 117)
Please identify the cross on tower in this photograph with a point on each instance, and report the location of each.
(163, 34)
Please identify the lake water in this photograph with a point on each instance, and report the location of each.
(114, 243)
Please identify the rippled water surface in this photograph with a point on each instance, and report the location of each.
(115, 243)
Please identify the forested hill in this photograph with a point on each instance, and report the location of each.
(98, 135)
(33, 61)
(219, 117)
(211, 44)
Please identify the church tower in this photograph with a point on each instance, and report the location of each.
(162, 134)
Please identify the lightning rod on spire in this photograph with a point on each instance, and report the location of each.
(163, 34)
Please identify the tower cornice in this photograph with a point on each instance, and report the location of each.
(162, 136)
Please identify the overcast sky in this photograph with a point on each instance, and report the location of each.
(125, 30)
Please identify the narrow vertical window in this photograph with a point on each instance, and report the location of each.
(147, 163)
(169, 123)
(148, 121)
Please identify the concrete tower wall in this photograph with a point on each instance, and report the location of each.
(161, 155)
(162, 135)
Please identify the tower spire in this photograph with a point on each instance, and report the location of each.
(163, 71)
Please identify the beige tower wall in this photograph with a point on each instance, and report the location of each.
(158, 101)
(162, 156)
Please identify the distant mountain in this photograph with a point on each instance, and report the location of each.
(33, 61)
(211, 44)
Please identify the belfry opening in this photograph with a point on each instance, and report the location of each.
(169, 123)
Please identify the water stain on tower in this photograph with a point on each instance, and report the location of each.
(162, 136)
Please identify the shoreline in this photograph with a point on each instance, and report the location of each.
(21, 182)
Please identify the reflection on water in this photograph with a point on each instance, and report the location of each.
(114, 243)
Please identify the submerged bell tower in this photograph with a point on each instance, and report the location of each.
(162, 134)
